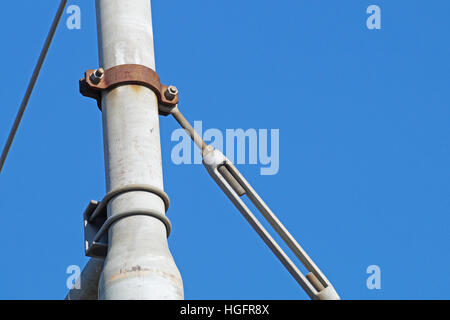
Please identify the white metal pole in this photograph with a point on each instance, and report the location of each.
(139, 264)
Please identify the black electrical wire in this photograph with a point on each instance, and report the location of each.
(32, 83)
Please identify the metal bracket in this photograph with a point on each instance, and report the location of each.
(96, 81)
(95, 249)
(97, 223)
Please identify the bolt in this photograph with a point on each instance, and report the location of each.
(97, 75)
(171, 93)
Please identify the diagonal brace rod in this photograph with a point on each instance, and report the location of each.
(234, 185)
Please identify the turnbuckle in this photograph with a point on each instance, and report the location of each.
(234, 185)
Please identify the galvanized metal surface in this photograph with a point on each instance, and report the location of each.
(139, 264)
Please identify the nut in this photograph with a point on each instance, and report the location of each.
(97, 75)
(171, 93)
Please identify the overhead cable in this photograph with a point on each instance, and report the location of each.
(32, 83)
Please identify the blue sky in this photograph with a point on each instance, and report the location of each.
(363, 116)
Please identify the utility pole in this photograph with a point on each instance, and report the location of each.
(139, 265)
(132, 233)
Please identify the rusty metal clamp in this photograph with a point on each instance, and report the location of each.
(99, 80)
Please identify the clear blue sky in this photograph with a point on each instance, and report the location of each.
(364, 173)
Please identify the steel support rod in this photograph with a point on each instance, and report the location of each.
(182, 121)
(139, 264)
(234, 185)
